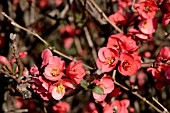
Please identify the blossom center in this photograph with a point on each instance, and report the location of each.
(54, 72)
(126, 65)
(147, 9)
(110, 60)
(60, 88)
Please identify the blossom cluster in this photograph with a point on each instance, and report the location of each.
(54, 81)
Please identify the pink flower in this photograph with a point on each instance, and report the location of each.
(75, 71)
(53, 71)
(107, 84)
(34, 70)
(58, 89)
(108, 59)
(146, 9)
(128, 66)
(46, 54)
(148, 26)
(117, 106)
(61, 107)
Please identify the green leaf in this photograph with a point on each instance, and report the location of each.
(98, 90)
(14, 66)
(84, 84)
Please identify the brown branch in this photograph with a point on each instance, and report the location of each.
(136, 94)
(97, 13)
(104, 16)
(42, 40)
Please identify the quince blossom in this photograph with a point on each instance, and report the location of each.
(146, 9)
(53, 71)
(58, 89)
(108, 58)
(75, 71)
(129, 65)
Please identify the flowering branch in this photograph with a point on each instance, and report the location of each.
(41, 39)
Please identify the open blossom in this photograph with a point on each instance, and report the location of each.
(61, 107)
(146, 9)
(58, 89)
(53, 71)
(129, 65)
(108, 58)
(75, 71)
(107, 84)
(148, 26)
(117, 106)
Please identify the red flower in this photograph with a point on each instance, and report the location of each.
(108, 59)
(117, 106)
(53, 71)
(147, 9)
(75, 71)
(129, 65)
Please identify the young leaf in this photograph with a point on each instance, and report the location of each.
(98, 90)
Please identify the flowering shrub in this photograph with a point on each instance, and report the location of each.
(95, 56)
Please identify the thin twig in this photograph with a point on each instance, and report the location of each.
(45, 42)
(105, 17)
(166, 111)
(90, 42)
(136, 94)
